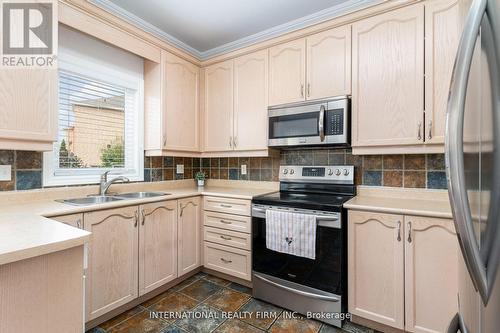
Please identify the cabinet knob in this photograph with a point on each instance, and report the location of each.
(430, 130)
(302, 90)
(419, 132)
(308, 90)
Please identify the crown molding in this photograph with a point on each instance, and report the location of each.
(297, 24)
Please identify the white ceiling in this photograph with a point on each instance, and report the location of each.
(208, 27)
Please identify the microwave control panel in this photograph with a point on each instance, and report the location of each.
(334, 124)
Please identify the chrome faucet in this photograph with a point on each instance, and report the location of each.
(105, 184)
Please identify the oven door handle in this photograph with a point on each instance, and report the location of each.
(296, 291)
(321, 123)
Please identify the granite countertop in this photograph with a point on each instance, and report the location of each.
(26, 229)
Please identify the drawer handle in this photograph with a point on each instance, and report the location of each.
(226, 222)
(225, 237)
(226, 261)
(226, 206)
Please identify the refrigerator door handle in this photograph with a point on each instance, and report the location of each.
(457, 324)
(454, 149)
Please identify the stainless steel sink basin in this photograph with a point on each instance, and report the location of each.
(139, 195)
(92, 200)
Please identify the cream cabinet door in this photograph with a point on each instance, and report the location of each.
(388, 78)
(431, 273)
(375, 267)
(218, 117)
(113, 253)
(74, 220)
(443, 27)
(189, 230)
(157, 245)
(329, 63)
(250, 101)
(181, 104)
(287, 70)
(28, 109)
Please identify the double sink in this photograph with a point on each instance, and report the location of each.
(99, 199)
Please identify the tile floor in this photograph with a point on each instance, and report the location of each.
(208, 294)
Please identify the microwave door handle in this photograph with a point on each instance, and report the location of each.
(321, 123)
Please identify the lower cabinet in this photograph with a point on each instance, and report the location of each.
(226, 233)
(113, 253)
(403, 270)
(188, 241)
(157, 245)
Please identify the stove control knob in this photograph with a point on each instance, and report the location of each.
(292, 172)
(346, 172)
(330, 172)
(337, 172)
(285, 171)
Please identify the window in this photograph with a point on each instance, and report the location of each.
(100, 123)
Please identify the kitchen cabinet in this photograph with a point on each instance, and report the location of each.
(443, 27)
(398, 265)
(388, 80)
(250, 101)
(236, 95)
(172, 121)
(113, 253)
(218, 118)
(157, 245)
(189, 225)
(318, 66)
(28, 109)
(74, 220)
(376, 267)
(328, 69)
(431, 274)
(287, 70)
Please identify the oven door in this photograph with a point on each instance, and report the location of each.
(325, 273)
(314, 123)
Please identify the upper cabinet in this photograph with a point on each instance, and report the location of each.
(28, 109)
(318, 66)
(443, 26)
(329, 63)
(388, 79)
(287, 69)
(236, 95)
(402, 70)
(171, 106)
(218, 116)
(250, 101)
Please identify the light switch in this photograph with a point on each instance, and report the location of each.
(180, 168)
(5, 172)
(243, 169)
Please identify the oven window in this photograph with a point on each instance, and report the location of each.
(296, 125)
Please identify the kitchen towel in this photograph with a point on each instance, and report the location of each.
(291, 233)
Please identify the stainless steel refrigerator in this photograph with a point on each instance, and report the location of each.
(473, 168)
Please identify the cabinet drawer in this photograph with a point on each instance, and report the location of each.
(228, 238)
(228, 205)
(228, 260)
(227, 221)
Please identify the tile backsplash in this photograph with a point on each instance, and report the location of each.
(416, 171)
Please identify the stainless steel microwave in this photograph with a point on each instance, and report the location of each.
(312, 123)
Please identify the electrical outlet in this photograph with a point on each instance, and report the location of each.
(180, 168)
(5, 172)
(243, 169)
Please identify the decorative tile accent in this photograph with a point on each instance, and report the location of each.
(435, 162)
(393, 178)
(168, 162)
(372, 178)
(436, 180)
(393, 162)
(414, 162)
(233, 162)
(233, 174)
(372, 162)
(156, 162)
(7, 157)
(28, 160)
(28, 180)
(415, 179)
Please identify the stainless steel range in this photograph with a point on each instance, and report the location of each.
(315, 286)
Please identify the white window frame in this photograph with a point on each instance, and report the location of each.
(52, 175)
